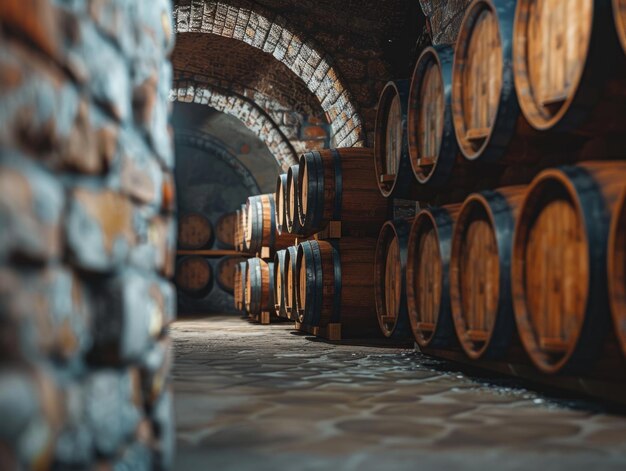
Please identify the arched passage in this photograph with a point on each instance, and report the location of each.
(273, 35)
(242, 108)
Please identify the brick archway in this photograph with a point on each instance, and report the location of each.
(273, 35)
(242, 108)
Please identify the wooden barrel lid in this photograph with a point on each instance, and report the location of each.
(475, 276)
(550, 50)
(477, 78)
(390, 140)
(427, 276)
(290, 282)
(281, 199)
(292, 217)
(226, 272)
(619, 14)
(243, 224)
(550, 271)
(194, 231)
(616, 263)
(193, 274)
(388, 279)
(225, 229)
(426, 114)
(279, 278)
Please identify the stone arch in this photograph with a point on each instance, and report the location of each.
(242, 108)
(272, 34)
(206, 142)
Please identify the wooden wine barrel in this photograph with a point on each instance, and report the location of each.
(259, 286)
(194, 231)
(427, 277)
(239, 284)
(616, 262)
(335, 284)
(338, 185)
(432, 144)
(565, 53)
(237, 230)
(281, 198)
(280, 283)
(619, 15)
(290, 285)
(559, 264)
(226, 273)
(261, 225)
(390, 279)
(240, 229)
(484, 104)
(194, 275)
(225, 229)
(480, 272)
(391, 148)
(292, 211)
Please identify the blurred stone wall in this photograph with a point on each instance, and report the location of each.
(87, 234)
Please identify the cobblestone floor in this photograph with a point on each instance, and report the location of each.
(265, 398)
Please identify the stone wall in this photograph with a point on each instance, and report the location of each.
(87, 234)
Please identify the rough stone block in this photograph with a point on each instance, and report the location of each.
(31, 411)
(34, 18)
(131, 309)
(43, 314)
(155, 371)
(112, 401)
(141, 176)
(99, 229)
(31, 209)
(96, 62)
(156, 249)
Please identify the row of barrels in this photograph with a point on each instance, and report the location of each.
(528, 85)
(194, 275)
(195, 231)
(538, 268)
(325, 186)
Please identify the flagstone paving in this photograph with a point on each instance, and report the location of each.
(266, 398)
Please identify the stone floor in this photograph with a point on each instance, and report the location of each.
(265, 398)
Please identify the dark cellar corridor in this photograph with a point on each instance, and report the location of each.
(312, 235)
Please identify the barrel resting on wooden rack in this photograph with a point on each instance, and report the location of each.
(391, 147)
(280, 198)
(226, 269)
(194, 231)
(261, 225)
(335, 285)
(390, 278)
(279, 283)
(239, 283)
(225, 228)
(480, 279)
(565, 85)
(259, 291)
(289, 289)
(194, 276)
(339, 185)
(559, 266)
(427, 277)
(292, 211)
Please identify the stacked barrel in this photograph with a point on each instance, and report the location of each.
(513, 141)
(324, 281)
(259, 236)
